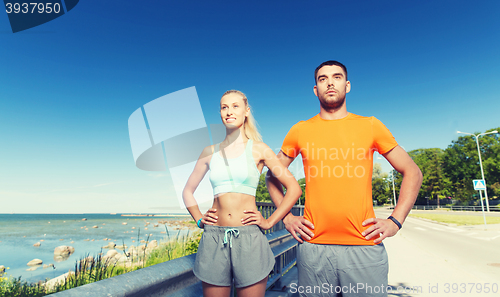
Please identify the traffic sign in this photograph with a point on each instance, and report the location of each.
(479, 184)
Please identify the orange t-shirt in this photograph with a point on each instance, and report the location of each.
(338, 165)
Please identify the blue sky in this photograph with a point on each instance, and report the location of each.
(67, 87)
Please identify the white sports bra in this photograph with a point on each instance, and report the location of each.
(237, 175)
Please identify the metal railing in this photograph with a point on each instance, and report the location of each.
(454, 208)
(268, 208)
(283, 245)
(175, 277)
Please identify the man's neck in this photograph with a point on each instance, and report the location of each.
(333, 114)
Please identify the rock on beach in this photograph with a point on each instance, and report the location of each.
(50, 284)
(153, 244)
(121, 247)
(87, 262)
(111, 253)
(35, 262)
(64, 250)
(110, 245)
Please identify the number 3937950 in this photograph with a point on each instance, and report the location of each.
(24, 14)
(33, 7)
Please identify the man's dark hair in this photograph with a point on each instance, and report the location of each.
(330, 63)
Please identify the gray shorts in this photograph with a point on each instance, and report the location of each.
(227, 253)
(342, 270)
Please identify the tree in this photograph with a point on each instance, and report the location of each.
(262, 195)
(490, 154)
(435, 184)
(381, 190)
(302, 184)
(461, 164)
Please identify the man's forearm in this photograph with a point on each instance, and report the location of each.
(410, 186)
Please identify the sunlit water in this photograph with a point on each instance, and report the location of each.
(19, 232)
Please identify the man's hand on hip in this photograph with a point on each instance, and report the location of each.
(297, 224)
(380, 227)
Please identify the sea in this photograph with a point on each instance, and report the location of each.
(85, 232)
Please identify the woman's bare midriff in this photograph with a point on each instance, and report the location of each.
(230, 207)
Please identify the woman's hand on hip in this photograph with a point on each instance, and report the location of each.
(254, 217)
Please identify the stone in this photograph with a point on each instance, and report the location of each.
(111, 245)
(121, 247)
(35, 262)
(61, 258)
(95, 227)
(111, 253)
(37, 244)
(153, 244)
(87, 262)
(84, 219)
(2, 269)
(50, 284)
(48, 265)
(123, 260)
(64, 250)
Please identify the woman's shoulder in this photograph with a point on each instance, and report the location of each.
(208, 151)
(260, 146)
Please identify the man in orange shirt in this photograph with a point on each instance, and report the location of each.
(343, 253)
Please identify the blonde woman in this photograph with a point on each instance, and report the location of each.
(233, 245)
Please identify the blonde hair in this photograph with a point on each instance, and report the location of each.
(250, 125)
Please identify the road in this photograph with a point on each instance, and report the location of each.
(431, 259)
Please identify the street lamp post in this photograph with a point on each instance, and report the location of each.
(476, 136)
(393, 188)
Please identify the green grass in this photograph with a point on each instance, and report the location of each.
(457, 219)
(173, 249)
(92, 269)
